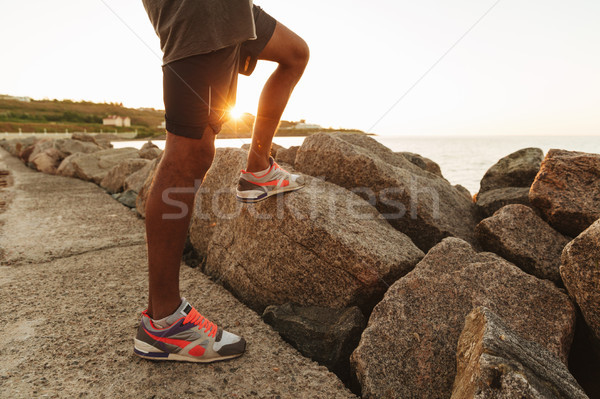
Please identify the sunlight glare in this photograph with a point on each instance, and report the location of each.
(236, 113)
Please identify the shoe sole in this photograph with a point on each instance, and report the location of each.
(269, 194)
(165, 356)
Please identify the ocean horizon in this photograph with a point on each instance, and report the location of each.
(463, 160)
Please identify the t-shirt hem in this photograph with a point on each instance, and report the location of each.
(167, 60)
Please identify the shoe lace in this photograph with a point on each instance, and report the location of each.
(281, 173)
(202, 322)
(276, 166)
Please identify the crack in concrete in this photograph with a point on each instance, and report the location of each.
(52, 259)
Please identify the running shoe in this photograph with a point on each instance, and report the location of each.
(192, 338)
(255, 187)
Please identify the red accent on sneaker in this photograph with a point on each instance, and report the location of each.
(272, 183)
(274, 164)
(177, 342)
(197, 351)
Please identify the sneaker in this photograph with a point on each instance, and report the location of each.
(255, 187)
(192, 338)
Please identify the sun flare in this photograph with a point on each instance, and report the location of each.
(236, 113)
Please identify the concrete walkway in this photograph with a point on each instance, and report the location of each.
(72, 284)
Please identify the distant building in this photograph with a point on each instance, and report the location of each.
(163, 125)
(7, 97)
(304, 125)
(115, 120)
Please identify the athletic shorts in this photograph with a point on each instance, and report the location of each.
(200, 90)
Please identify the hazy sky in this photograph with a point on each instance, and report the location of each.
(529, 67)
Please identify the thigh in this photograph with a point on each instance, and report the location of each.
(199, 91)
(284, 47)
(250, 49)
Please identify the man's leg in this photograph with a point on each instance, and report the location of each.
(184, 162)
(291, 53)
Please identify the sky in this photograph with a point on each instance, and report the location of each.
(392, 67)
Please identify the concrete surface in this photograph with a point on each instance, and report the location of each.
(72, 284)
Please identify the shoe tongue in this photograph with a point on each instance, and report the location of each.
(187, 310)
(183, 310)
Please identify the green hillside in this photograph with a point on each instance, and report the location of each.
(57, 116)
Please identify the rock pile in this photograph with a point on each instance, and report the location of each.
(384, 235)
(121, 172)
(508, 181)
(409, 346)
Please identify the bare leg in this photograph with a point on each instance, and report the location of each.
(168, 211)
(291, 53)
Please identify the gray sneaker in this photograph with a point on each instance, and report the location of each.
(191, 338)
(255, 188)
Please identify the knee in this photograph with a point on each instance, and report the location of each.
(299, 56)
(189, 158)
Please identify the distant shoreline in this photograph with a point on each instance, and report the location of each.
(64, 117)
(133, 136)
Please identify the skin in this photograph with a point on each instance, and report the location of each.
(185, 161)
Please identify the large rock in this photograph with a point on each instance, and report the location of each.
(114, 181)
(515, 170)
(136, 180)
(508, 181)
(150, 151)
(408, 349)
(83, 137)
(72, 146)
(422, 162)
(104, 144)
(128, 198)
(418, 203)
(16, 145)
(520, 236)
(567, 189)
(10, 146)
(48, 160)
(37, 148)
(491, 201)
(26, 153)
(287, 155)
(325, 335)
(95, 166)
(464, 191)
(580, 272)
(106, 137)
(494, 362)
(321, 245)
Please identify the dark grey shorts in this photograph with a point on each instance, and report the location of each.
(200, 90)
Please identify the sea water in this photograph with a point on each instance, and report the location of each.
(463, 160)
